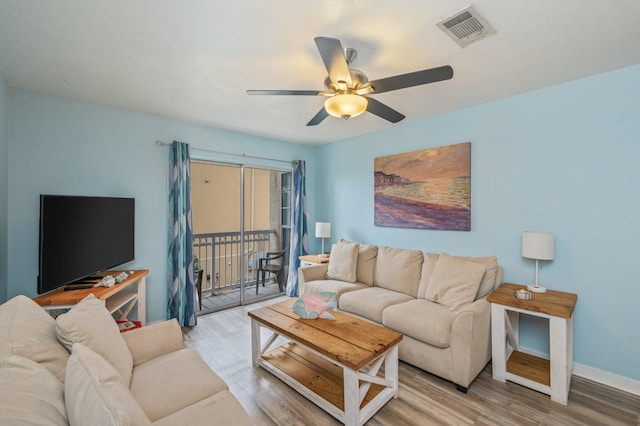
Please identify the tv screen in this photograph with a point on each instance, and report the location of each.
(81, 236)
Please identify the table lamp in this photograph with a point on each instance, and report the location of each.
(538, 246)
(323, 230)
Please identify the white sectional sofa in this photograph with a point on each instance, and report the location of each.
(79, 370)
(437, 301)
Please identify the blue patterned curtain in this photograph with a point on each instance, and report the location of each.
(180, 276)
(299, 244)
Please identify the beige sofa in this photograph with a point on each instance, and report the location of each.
(79, 369)
(437, 301)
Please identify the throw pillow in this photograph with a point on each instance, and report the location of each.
(398, 269)
(95, 393)
(430, 261)
(367, 255)
(31, 394)
(454, 281)
(343, 262)
(91, 324)
(488, 282)
(366, 263)
(29, 331)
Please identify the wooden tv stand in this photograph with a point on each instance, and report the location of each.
(119, 299)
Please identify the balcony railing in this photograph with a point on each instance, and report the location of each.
(224, 256)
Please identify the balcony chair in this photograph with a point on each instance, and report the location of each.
(265, 264)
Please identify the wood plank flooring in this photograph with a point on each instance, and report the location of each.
(224, 341)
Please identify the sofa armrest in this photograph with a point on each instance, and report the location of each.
(311, 273)
(151, 341)
(471, 341)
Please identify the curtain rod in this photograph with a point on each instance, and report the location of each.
(163, 143)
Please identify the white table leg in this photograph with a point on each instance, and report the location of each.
(569, 353)
(559, 351)
(391, 368)
(498, 343)
(255, 342)
(351, 397)
(142, 301)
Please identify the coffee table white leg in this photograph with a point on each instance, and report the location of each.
(391, 369)
(351, 397)
(255, 342)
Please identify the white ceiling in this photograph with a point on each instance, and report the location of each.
(193, 60)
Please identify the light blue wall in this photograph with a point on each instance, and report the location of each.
(58, 146)
(4, 174)
(565, 159)
(562, 159)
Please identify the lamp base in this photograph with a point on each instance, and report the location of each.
(323, 255)
(538, 289)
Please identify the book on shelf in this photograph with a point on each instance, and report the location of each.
(128, 325)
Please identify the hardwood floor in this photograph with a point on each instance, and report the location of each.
(224, 341)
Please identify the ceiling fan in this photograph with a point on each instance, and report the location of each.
(347, 87)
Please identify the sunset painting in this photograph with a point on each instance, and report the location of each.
(429, 189)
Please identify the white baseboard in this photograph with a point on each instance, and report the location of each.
(600, 376)
(606, 378)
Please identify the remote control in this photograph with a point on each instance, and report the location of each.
(78, 287)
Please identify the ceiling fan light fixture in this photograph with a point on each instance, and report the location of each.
(346, 105)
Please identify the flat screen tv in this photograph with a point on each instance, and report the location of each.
(81, 236)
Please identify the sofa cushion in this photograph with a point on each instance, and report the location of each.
(343, 262)
(398, 270)
(422, 320)
(170, 382)
(332, 286)
(454, 281)
(153, 340)
(95, 393)
(430, 260)
(90, 323)
(29, 331)
(219, 409)
(31, 394)
(371, 301)
(366, 264)
(490, 274)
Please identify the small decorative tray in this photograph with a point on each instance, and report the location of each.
(521, 293)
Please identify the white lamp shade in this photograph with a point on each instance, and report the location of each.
(538, 245)
(323, 230)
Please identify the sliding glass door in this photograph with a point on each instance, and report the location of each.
(241, 218)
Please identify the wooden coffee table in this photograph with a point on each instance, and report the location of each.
(334, 363)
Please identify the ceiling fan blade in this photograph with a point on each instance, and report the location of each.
(317, 119)
(381, 110)
(412, 79)
(333, 57)
(285, 92)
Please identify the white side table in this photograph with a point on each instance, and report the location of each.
(552, 376)
(313, 259)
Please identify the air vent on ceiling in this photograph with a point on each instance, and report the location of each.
(466, 26)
